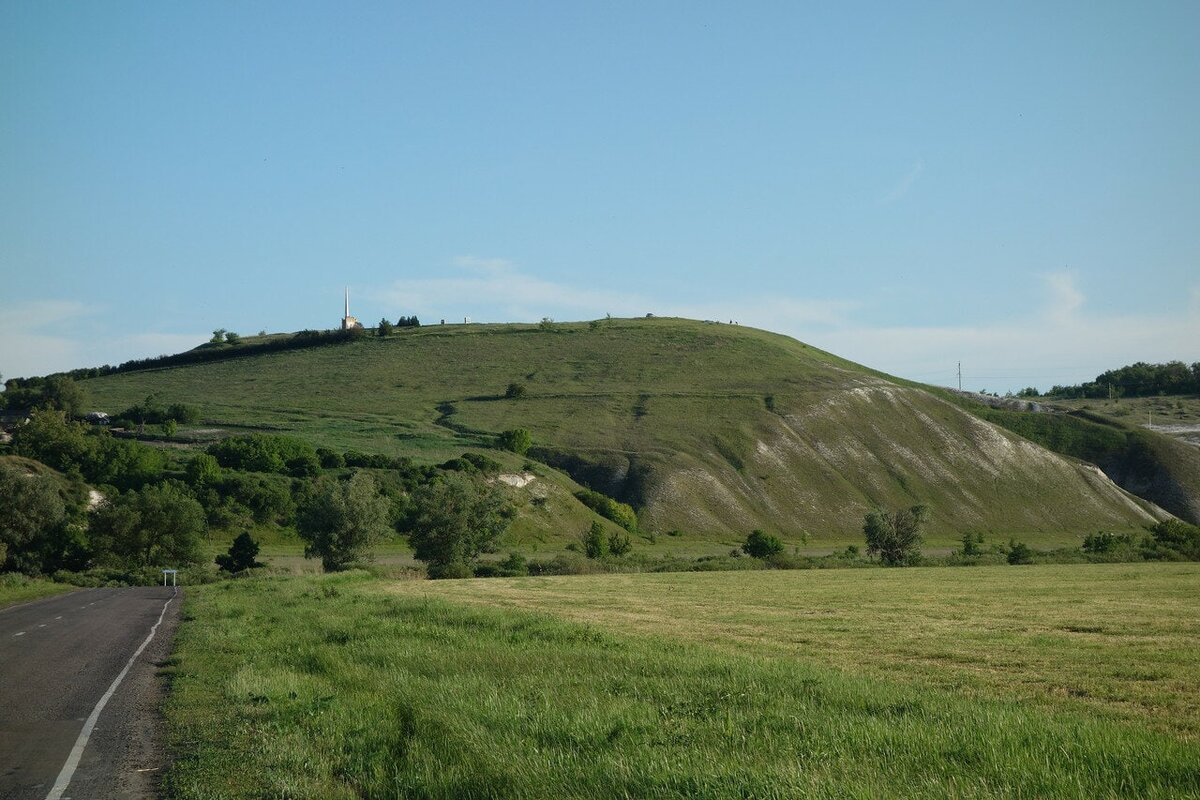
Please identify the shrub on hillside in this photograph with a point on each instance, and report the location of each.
(761, 544)
(517, 440)
(259, 452)
(1103, 542)
(1173, 540)
(619, 543)
(610, 509)
(595, 543)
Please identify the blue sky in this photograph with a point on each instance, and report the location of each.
(1015, 186)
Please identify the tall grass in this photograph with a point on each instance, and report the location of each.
(327, 687)
(16, 588)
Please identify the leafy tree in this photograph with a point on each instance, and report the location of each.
(218, 336)
(61, 393)
(595, 543)
(761, 544)
(518, 440)
(31, 510)
(241, 555)
(896, 538)
(159, 525)
(169, 428)
(50, 438)
(202, 470)
(452, 520)
(123, 463)
(384, 328)
(232, 338)
(343, 521)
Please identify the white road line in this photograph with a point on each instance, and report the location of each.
(42, 625)
(22, 633)
(58, 617)
(68, 770)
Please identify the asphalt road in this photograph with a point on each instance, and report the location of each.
(58, 659)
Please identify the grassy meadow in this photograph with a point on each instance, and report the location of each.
(724, 685)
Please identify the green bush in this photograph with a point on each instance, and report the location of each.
(595, 543)
(610, 509)
(1019, 553)
(761, 544)
(259, 452)
(1173, 540)
(517, 440)
(619, 543)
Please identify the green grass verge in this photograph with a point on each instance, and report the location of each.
(332, 687)
(16, 588)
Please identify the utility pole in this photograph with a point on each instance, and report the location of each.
(960, 376)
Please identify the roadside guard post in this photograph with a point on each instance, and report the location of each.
(172, 573)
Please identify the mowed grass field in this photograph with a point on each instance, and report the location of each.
(974, 682)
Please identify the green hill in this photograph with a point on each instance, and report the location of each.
(707, 429)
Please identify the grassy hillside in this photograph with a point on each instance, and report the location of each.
(1152, 464)
(707, 429)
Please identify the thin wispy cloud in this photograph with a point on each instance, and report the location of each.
(1065, 297)
(902, 187)
(496, 289)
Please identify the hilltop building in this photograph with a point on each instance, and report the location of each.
(349, 322)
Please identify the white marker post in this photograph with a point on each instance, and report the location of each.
(172, 573)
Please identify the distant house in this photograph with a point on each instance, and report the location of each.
(97, 418)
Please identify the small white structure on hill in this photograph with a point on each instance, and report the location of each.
(349, 322)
